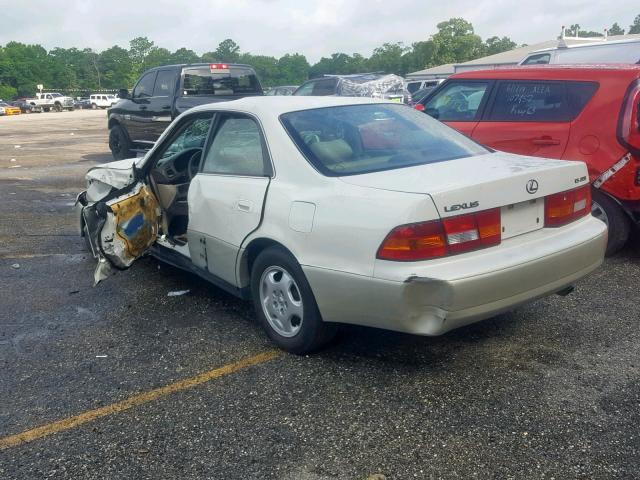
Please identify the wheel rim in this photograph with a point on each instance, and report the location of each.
(114, 142)
(281, 301)
(598, 212)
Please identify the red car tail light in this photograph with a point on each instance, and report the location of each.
(419, 106)
(629, 121)
(565, 207)
(439, 238)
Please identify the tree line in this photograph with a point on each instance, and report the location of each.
(22, 66)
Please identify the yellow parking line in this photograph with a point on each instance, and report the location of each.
(136, 400)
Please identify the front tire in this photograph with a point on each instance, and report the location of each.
(285, 305)
(57, 107)
(607, 210)
(119, 143)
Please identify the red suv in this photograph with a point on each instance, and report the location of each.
(577, 112)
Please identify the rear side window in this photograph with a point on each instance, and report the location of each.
(525, 101)
(205, 81)
(324, 87)
(457, 101)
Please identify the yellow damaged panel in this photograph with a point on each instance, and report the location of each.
(136, 218)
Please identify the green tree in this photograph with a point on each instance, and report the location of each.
(227, 51)
(635, 27)
(156, 57)
(117, 69)
(456, 42)
(7, 92)
(293, 69)
(388, 58)
(266, 67)
(139, 49)
(498, 45)
(615, 30)
(183, 55)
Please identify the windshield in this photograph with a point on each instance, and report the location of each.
(54, 95)
(356, 139)
(201, 81)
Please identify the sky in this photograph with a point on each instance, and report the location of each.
(314, 28)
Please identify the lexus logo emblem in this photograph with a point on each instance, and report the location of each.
(532, 186)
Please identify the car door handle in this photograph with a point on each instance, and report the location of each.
(166, 107)
(545, 141)
(244, 206)
(142, 107)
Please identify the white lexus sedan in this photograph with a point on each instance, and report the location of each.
(326, 210)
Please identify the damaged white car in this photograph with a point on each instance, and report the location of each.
(327, 210)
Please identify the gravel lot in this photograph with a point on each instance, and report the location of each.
(551, 390)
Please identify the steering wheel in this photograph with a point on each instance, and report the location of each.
(310, 138)
(194, 164)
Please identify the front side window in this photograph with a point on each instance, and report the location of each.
(165, 83)
(192, 134)
(144, 88)
(457, 101)
(237, 149)
(355, 139)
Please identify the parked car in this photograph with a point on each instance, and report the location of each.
(374, 85)
(52, 101)
(587, 113)
(163, 93)
(26, 107)
(7, 109)
(281, 90)
(101, 100)
(607, 50)
(330, 209)
(413, 86)
(82, 103)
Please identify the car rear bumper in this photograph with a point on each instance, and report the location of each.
(439, 297)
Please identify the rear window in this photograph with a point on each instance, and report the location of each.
(356, 139)
(526, 101)
(201, 81)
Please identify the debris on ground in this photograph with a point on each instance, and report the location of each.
(15, 266)
(177, 293)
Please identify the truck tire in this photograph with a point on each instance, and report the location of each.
(119, 143)
(57, 107)
(46, 109)
(94, 106)
(607, 210)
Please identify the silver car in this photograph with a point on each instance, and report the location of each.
(327, 210)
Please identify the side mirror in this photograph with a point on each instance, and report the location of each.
(432, 112)
(123, 93)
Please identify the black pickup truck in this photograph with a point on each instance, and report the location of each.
(163, 93)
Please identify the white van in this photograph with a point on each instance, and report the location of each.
(102, 100)
(598, 51)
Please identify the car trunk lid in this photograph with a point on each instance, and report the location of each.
(515, 184)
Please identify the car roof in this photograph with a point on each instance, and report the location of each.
(277, 105)
(583, 71)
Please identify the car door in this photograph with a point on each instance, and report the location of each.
(459, 103)
(138, 118)
(159, 106)
(527, 117)
(226, 198)
(124, 223)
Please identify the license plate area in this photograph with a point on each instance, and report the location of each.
(522, 217)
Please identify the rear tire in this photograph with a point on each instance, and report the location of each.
(607, 210)
(285, 305)
(119, 143)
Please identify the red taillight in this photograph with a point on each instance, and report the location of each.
(419, 106)
(629, 123)
(439, 238)
(218, 66)
(565, 207)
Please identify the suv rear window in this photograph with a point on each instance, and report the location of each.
(235, 81)
(533, 101)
